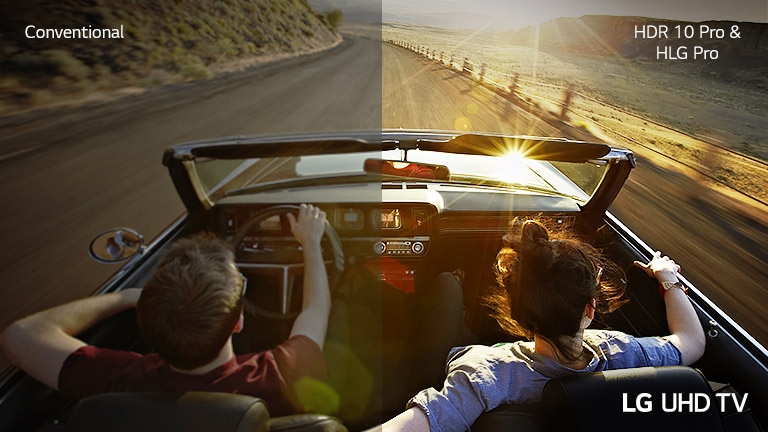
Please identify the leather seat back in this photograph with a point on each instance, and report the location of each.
(672, 398)
(605, 400)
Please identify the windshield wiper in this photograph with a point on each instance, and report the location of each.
(407, 178)
(308, 181)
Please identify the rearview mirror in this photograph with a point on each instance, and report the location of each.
(407, 169)
(116, 245)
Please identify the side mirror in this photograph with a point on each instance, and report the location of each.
(116, 245)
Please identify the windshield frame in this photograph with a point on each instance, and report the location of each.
(185, 160)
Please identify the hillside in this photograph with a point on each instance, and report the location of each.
(740, 59)
(163, 42)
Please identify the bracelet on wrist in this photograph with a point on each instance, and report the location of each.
(666, 286)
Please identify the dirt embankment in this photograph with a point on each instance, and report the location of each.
(152, 44)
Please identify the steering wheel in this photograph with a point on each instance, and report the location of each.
(282, 257)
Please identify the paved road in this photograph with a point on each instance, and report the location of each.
(101, 167)
(722, 250)
(419, 94)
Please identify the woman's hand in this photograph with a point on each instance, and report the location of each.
(661, 267)
(685, 328)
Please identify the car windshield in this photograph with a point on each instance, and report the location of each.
(217, 178)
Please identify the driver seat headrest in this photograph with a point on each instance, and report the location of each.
(632, 400)
(188, 412)
(149, 412)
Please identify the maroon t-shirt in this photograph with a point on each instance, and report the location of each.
(270, 375)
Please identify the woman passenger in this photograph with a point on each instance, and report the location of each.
(552, 286)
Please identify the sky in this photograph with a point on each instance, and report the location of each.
(507, 14)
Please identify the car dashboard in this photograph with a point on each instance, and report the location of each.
(404, 220)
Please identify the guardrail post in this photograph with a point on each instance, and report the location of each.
(451, 62)
(513, 85)
(567, 96)
(464, 65)
(482, 72)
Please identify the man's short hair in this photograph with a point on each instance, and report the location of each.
(189, 307)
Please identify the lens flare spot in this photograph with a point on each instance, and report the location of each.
(349, 376)
(473, 108)
(462, 124)
(316, 396)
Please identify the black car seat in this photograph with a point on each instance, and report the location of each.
(518, 418)
(188, 412)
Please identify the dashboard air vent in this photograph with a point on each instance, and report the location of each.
(391, 186)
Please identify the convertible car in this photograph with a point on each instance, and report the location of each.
(403, 207)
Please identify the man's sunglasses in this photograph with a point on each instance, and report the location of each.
(245, 283)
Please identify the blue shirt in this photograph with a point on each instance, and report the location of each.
(480, 378)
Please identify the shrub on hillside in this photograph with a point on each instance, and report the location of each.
(195, 71)
(67, 65)
(334, 19)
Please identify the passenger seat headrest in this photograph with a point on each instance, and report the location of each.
(632, 400)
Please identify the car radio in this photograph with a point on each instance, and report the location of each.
(407, 247)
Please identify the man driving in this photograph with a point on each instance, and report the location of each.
(187, 312)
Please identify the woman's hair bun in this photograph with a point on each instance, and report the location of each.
(533, 232)
(535, 245)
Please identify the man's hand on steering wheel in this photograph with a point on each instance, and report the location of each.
(309, 227)
(279, 259)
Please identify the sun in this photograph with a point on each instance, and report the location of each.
(513, 167)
